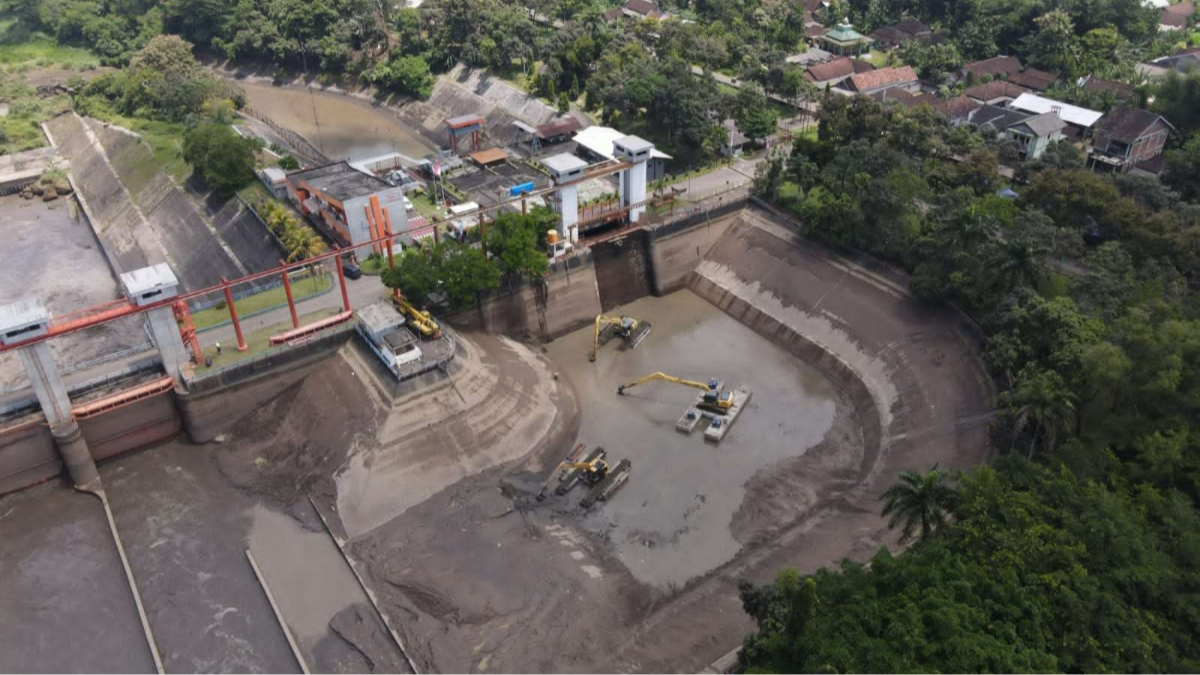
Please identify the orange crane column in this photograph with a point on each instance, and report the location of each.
(237, 325)
(341, 280)
(287, 290)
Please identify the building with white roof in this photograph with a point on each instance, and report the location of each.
(1073, 115)
(597, 142)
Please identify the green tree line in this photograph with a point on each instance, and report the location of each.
(1076, 551)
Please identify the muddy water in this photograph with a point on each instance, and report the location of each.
(341, 126)
(671, 520)
(306, 572)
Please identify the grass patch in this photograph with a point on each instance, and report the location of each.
(374, 265)
(255, 193)
(21, 45)
(165, 140)
(257, 342)
(424, 206)
(275, 297)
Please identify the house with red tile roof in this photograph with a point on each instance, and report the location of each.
(835, 71)
(996, 92)
(1032, 78)
(884, 78)
(997, 66)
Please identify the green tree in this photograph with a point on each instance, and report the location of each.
(465, 273)
(1183, 169)
(921, 502)
(755, 117)
(512, 239)
(1041, 400)
(220, 157)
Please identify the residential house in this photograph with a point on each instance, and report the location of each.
(1181, 61)
(899, 96)
(833, 72)
(996, 92)
(992, 119)
(595, 143)
(903, 77)
(957, 110)
(1095, 85)
(1034, 134)
(1126, 137)
(811, 57)
(1176, 17)
(734, 141)
(844, 40)
(1150, 168)
(993, 68)
(1079, 120)
(889, 37)
(814, 33)
(336, 197)
(1032, 78)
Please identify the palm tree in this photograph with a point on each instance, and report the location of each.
(920, 500)
(1043, 399)
(302, 243)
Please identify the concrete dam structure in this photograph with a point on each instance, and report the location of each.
(142, 218)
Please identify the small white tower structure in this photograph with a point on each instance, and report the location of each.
(566, 170)
(150, 285)
(637, 152)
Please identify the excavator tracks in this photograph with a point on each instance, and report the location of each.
(609, 486)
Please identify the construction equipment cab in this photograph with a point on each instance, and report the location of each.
(591, 473)
(715, 397)
(626, 327)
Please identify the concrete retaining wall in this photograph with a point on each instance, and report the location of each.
(137, 425)
(674, 253)
(624, 269)
(27, 455)
(216, 402)
(572, 301)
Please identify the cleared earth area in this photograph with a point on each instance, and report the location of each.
(431, 494)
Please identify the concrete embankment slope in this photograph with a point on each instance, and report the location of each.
(141, 218)
(467, 91)
(915, 367)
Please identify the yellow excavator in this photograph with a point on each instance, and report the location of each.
(590, 473)
(421, 320)
(629, 329)
(715, 398)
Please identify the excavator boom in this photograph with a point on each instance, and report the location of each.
(652, 377)
(628, 328)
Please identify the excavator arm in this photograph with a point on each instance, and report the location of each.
(652, 377)
(625, 322)
(599, 466)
